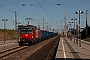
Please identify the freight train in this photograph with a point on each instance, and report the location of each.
(30, 34)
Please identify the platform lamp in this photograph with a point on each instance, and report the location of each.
(74, 27)
(71, 27)
(4, 19)
(70, 24)
(17, 33)
(79, 12)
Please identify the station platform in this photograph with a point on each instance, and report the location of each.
(68, 50)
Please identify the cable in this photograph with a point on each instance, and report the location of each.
(18, 8)
(47, 7)
(49, 11)
(46, 13)
(6, 9)
(45, 4)
(13, 11)
(10, 11)
(28, 4)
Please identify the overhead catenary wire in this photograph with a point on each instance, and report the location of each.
(47, 7)
(11, 11)
(28, 4)
(46, 4)
(18, 8)
(47, 13)
(7, 9)
(44, 10)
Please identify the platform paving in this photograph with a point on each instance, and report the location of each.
(68, 50)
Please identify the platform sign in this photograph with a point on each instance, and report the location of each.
(79, 35)
(70, 29)
(69, 33)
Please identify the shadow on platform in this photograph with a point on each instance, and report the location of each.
(70, 59)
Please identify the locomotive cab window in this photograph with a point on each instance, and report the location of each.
(26, 30)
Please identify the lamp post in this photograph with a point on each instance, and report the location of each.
(4, 28)
(86, 22)
(28, 19)
(70, 24)
(18, 23)
(79, 12)
(17, 32)
(76, 33)
(74, 27)
(70, 29)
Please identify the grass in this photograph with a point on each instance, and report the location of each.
(10, 34)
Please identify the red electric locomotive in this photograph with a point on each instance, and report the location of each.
(29, 34)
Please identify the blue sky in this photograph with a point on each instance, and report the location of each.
(50, 11)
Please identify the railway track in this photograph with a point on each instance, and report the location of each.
(54, 48)
(47, 52)
(24, 52)
(11, 51)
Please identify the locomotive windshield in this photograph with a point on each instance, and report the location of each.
(26, 30)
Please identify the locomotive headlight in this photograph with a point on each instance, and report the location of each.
(19, 39)
(32, 36)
